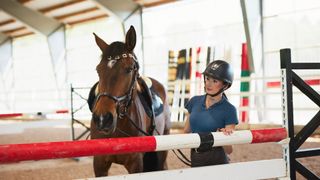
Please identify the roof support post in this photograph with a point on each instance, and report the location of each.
(122, 9)
(57, 45)
(252, 20)
(3, 38)
(48, 27)
(6, 73)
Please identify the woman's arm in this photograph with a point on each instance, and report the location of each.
(187, 128)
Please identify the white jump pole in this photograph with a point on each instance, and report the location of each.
(13, 115)
(264, 169)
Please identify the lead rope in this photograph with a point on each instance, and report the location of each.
(183, 159)
(138, 128)
(123, 132)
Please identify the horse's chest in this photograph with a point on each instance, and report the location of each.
(125, 159)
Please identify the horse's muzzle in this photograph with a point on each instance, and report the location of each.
(105, 122)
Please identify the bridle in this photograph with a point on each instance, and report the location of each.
(124, 101)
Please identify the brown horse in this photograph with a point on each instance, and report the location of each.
(119, 103)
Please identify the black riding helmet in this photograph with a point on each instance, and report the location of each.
(220, 70)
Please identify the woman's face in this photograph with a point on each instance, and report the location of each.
(212, 85)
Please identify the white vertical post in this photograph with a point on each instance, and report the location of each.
(182, 97)
(285, 147)
(175, 101)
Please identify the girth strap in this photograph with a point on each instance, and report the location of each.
(149, 102)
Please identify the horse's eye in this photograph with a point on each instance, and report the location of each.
(129, 70)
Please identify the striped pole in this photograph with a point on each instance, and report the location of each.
(244, 86)
(198, 72)
(277, 84)
(11, 115)
(67, 149)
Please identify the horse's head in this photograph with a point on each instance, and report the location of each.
(117, 70)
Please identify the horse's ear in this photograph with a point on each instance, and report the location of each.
(102, 45)
(131, 38)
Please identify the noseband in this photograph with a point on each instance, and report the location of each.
(122, 102)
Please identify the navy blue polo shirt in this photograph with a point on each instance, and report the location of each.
(216, 116)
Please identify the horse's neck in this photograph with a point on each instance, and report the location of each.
(136, 111)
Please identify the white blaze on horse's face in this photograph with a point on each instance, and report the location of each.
(111, 63)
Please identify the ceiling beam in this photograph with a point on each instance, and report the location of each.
(3, 23)
(155, 3)
(120, 8)
(24, 1)
(24, 34)
(8, 32)
(59, 6)
(76, 13)
(38, 22)
(87, 19)
(33, 19)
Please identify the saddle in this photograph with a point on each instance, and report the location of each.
(149, 98)
(92, 96)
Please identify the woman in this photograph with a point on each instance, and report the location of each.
(212, 112)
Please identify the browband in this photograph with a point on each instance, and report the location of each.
(124, 55)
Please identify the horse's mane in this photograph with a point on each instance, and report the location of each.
(115, 48)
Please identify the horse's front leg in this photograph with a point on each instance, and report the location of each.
(134, 163)
(101, 166)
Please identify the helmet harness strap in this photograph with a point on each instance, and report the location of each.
(220, 91)
(215, 94)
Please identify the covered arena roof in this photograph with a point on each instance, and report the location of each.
(23, 17)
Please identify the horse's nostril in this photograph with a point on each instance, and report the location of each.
(95, 118)
(108, 119)
(103, 122)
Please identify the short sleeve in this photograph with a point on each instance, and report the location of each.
(189, 105)
(232, 117)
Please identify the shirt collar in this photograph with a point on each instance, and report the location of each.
(223, 99)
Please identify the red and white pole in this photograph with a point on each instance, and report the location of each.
(52, 150)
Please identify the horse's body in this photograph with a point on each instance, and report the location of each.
(118, 110)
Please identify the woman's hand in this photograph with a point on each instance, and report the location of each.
(228, 130)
